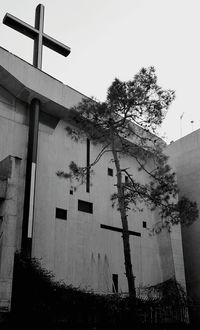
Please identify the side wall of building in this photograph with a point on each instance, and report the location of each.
(78, 250)
(13, 140)
(185, 158)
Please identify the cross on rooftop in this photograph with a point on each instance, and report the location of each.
(36, 33)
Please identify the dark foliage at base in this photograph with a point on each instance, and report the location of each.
(40, 302)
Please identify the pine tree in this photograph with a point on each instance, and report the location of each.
(126, 123)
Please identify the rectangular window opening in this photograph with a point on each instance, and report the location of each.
(115, 283)
(144, 224)
(84, 206)
(61, 213)
(110, 171)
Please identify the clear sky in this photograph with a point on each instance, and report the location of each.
(115, 38)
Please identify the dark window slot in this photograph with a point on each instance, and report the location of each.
(110, 171)
(144, 224)
(84, 206)
(88, 167)
(115, 283)
(61, 214)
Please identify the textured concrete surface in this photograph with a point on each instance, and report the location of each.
(185, 158)
(77, 250)
(8, 229)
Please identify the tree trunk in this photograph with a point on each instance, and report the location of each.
(125, 231)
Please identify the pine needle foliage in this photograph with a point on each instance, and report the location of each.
(125, 124)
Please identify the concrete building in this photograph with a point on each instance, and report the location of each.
(76, 233)
(185, 158)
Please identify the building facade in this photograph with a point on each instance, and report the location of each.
(185, 158)
(76, 232)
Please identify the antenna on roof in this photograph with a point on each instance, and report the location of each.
(181, 124)
(192, 122)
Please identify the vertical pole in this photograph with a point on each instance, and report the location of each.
(180, 127)
(181, 117)
(29, 198)
(30, 177)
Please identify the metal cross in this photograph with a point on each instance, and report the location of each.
(36, 33)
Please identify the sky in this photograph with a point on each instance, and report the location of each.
(116, 38)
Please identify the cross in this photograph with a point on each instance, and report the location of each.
(36, 33)
(120, 230)
(40, 38)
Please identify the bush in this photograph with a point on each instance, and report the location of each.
(40, 301)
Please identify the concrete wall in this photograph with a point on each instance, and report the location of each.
(185, 157)
(10, 168)
(26, 82)
(78, 250)
(13, 141)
